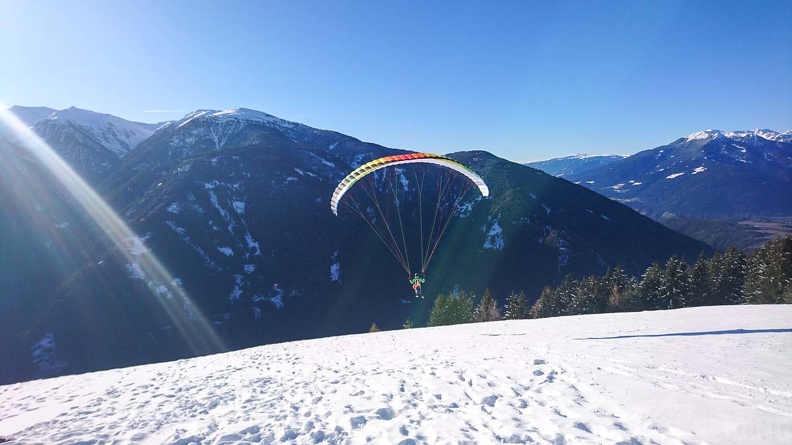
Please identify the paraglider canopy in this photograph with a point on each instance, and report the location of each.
(408, 200)
(390, 161)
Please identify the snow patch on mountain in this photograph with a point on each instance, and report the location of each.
(335, 268)
(183, 234)
(136, 247)
(321, 159)
(45, 358)
(494, 236)
(236, 293)
(305, 173)
(252, 245)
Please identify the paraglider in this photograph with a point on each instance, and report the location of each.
(408, 201)
(416, 282)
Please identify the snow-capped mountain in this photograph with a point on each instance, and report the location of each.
(708, 175)
(31, 115)
(750, 137)
(569, 165)
(92, 143)
(235, 204)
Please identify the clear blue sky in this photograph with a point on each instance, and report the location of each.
(525, 80)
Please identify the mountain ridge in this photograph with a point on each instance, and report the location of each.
(238, 211)
(726, 188)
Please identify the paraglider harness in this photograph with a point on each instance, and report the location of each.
(416, 282)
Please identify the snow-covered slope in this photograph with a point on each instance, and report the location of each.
(116, 134)
(703, 375)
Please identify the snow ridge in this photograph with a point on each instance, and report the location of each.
(741, 135)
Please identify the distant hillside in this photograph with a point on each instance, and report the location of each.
(707, 176)
(573, 164)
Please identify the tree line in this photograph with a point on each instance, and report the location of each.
(762, 276)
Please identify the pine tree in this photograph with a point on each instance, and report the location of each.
(516, 307)
(619, 290)
(767, 272)
(700, 289)
(408, 324)
(450, 310)
(786, 297)
(582, 295)
(632, 299)
(563, 295)
(674, 286)
(374, 328)
(733, 276)
(487, 310)
(544, 305)
(649, 291)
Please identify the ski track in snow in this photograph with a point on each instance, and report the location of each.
(705, 375)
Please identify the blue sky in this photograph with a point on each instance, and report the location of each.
(525, 80)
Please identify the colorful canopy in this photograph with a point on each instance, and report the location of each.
(389, 161)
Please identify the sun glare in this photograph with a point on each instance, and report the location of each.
(141, 261)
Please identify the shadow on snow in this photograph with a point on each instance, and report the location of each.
(695, 334)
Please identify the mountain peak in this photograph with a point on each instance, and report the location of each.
(240, 114)
(705, 134)
(114, 133)
(770, 135)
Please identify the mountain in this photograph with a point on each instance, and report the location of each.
(573, 164)
(713, 177)
(31, 115)
(647, 377)
(232, 238)
(93, 144)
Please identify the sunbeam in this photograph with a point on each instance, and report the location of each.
(141, 262)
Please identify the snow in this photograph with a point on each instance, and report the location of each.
(236, 293)
(706, 134)
(674, 175)
(305, 173)
(118, 135)
(252, 244)
(44, 357)
(702, 375)
(335, 268)
(494, 238)
(741, 135)
(698, 170)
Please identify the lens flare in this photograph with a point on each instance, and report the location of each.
(142, 263)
